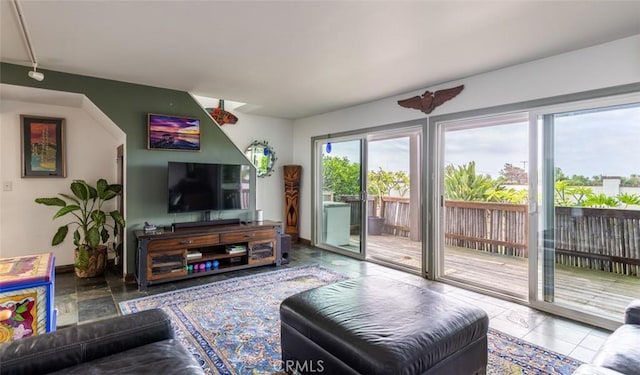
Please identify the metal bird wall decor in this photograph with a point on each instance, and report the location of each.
(429, 100)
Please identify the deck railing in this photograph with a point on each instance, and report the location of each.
(395, 211)
(594, 238)
(598, 238)
(493, 227)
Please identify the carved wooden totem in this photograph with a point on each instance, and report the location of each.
(292, 174)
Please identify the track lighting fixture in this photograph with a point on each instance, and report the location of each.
(38, 76)
(35, 74)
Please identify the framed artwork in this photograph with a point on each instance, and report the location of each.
(173, 133)
(43, 146)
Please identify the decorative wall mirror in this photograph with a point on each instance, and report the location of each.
(262, 156)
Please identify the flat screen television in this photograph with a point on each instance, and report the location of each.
(207, 186)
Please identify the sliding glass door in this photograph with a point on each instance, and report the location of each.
(367, 196)
(394, 230)
(340, 195)
(484, 216)
(572, 247)
(589, 222)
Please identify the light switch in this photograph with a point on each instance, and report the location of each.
(7, 185)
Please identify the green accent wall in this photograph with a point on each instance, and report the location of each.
(127, 105)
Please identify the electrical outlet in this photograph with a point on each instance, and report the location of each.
(7, 186)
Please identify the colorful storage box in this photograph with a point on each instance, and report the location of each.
(26, 296)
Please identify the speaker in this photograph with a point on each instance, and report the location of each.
(283, 252)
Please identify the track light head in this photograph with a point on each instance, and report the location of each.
(38, 76)
(35, 74)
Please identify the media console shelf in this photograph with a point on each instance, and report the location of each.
(164, 256)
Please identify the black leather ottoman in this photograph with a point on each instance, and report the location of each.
(374, 325)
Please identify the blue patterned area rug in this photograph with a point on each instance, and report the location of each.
(233, 326)
(513, 356)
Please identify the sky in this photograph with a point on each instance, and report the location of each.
(173, 124)
(391, 155)
(586, 143)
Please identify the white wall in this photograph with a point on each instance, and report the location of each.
(279, 134)
(91, 154)
(606, 65)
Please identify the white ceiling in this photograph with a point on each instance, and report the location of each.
(295, 59)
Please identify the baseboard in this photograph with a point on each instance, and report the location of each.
(130, 278)
(67, 268)
(304, 241)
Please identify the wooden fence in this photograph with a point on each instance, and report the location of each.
(493, 227)
(356, 210)
(594, 238)
(394, 210)
(598, 238)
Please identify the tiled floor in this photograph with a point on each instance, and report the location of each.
(83, 300)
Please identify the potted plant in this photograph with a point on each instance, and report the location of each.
(93, 226)
(379, 184)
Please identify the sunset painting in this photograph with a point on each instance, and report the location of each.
(42, 147)
(173, 133)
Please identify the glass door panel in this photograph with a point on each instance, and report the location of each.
(590, 209)
(484, 203)
(394, 231)
(340, 203)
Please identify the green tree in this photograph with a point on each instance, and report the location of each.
(596, 180)
(508, 196)
(381, 182)
(579, 180)
(402, 183)
(340, 176)
(559, 176)
(513, 175)
(631, 181)
(567, 195)
(462, 183)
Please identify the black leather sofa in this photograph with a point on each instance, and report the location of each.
(620, 354)
(138, 343)
(379, 326)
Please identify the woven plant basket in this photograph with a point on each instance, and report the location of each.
(96, 265)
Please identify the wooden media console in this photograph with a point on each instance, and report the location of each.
(201, 250)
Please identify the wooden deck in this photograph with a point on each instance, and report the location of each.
(601, 293)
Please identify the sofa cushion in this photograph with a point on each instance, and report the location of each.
(621, 351)
(632, 312)
(163, 357)
(71, 346)
(588, 369)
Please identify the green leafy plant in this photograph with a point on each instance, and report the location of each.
(567, 195)
(462, 183)
(382, 183)
(92, 224)
(512, 196)
(628, 199)
(402, 183)
(340, 176)
(601, 201)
